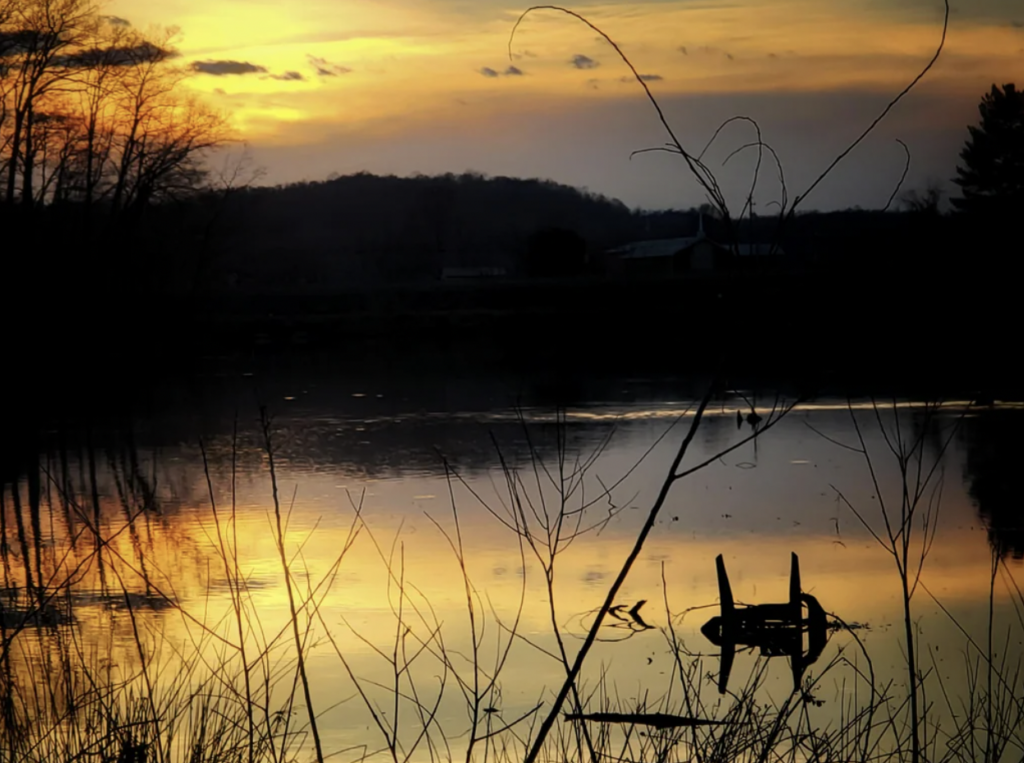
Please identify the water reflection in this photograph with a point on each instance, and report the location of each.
(994, 456)
(115, 536)
(778, 630)
(622, 620)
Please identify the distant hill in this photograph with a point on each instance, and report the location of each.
(364, 230)
(369, 229)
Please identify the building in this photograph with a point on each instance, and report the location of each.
(691, 254)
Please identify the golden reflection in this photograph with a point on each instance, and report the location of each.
(157, 578)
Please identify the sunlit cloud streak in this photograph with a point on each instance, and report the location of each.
(225, 68)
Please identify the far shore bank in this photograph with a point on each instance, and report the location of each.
(862, 332)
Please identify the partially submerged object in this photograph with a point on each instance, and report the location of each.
(777, 629)
(657, 720)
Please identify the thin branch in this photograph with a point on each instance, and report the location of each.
(903, 177)
(885, 112)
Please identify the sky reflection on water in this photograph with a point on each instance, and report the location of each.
(789, 491)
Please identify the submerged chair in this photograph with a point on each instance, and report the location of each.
(777, 629)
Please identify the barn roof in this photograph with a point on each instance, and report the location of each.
(669, 247)
(664, 247)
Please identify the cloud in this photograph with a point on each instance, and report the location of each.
(220, 68)
(289, 77)
(512, 71)
(116, 55)
(14, 42)
(643, 77)
(706, 50)
(581, 61)
(116, 20)
(325, 68)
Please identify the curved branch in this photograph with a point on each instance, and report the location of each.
(906, 169)
(726, 123)
(760, 144)
(697, 167)
(749, 204)
(883, 114)
(667, 149)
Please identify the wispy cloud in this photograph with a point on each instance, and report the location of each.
(643, 77)
(290, 76)
(221, 68)
(706, 50)
(325, 68)
(511, 71)
(116, 55)
(581, 61)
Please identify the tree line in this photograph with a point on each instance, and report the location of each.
(92, 112)
(97, 132)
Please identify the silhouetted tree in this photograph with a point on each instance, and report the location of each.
(91, 111)
(36, 37)
(992, 174)
(923, 202)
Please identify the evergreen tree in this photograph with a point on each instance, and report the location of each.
(991, 177)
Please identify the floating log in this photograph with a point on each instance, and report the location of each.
(657, 720)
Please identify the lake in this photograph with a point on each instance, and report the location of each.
(450, 540)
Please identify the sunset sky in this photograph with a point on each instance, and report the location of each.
(405, 86)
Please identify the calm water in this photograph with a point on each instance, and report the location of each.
(384, 448)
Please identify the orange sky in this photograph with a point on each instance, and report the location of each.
(421, 85)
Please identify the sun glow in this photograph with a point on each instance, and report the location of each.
(360, 63)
